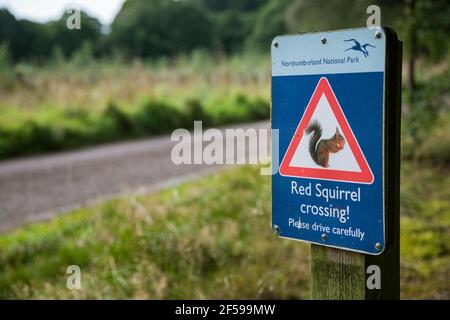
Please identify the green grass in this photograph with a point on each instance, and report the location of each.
(205, 239)
(209, 238)
(60, 129)
(425, 231)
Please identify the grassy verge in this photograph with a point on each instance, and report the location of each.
(206, 239)
(209, 238)
(61, 129)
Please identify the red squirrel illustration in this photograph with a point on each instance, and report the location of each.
(320, 150)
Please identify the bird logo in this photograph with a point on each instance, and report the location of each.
(358, 47)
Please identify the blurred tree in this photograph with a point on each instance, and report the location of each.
(270, 22)
(412, 45)
(148, 28)
(433, 27)
(151, 28)
(11, 34)
(30, 40)
(307, 16)
(231, 30)
(36, 41)
(72, 40)
(425, 27)
(235, 5)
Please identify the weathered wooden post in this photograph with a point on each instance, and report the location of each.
(336, 104)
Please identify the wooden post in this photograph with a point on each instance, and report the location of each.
(338, 274)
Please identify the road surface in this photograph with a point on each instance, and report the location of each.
(38, 188)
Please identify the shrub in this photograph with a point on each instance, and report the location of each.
(195, 111)
(259, 109)
(74, 127)
(122, 121)
(158, 117)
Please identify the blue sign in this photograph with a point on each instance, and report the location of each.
(328, 108)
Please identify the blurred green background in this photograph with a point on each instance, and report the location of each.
(161, 65)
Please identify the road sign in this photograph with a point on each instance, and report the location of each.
(328, 100)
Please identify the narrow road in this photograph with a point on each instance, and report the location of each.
(39, 188)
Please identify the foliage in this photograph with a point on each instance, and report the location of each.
(72, 40)
(13, 34)
(7, 74)
(269, 23)
(436, 145)
(433, 27)
(307, 16)
(231, 30)
(35, 41)
(425, 126)
(233, 5)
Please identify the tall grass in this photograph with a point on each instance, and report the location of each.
(81, 102)
(68, 84)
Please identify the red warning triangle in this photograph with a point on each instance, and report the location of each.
(346, 165)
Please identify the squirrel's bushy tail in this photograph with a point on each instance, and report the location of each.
(317, 133)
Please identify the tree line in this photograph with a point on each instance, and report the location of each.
(152, 28)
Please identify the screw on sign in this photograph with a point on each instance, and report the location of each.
(335, 102)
